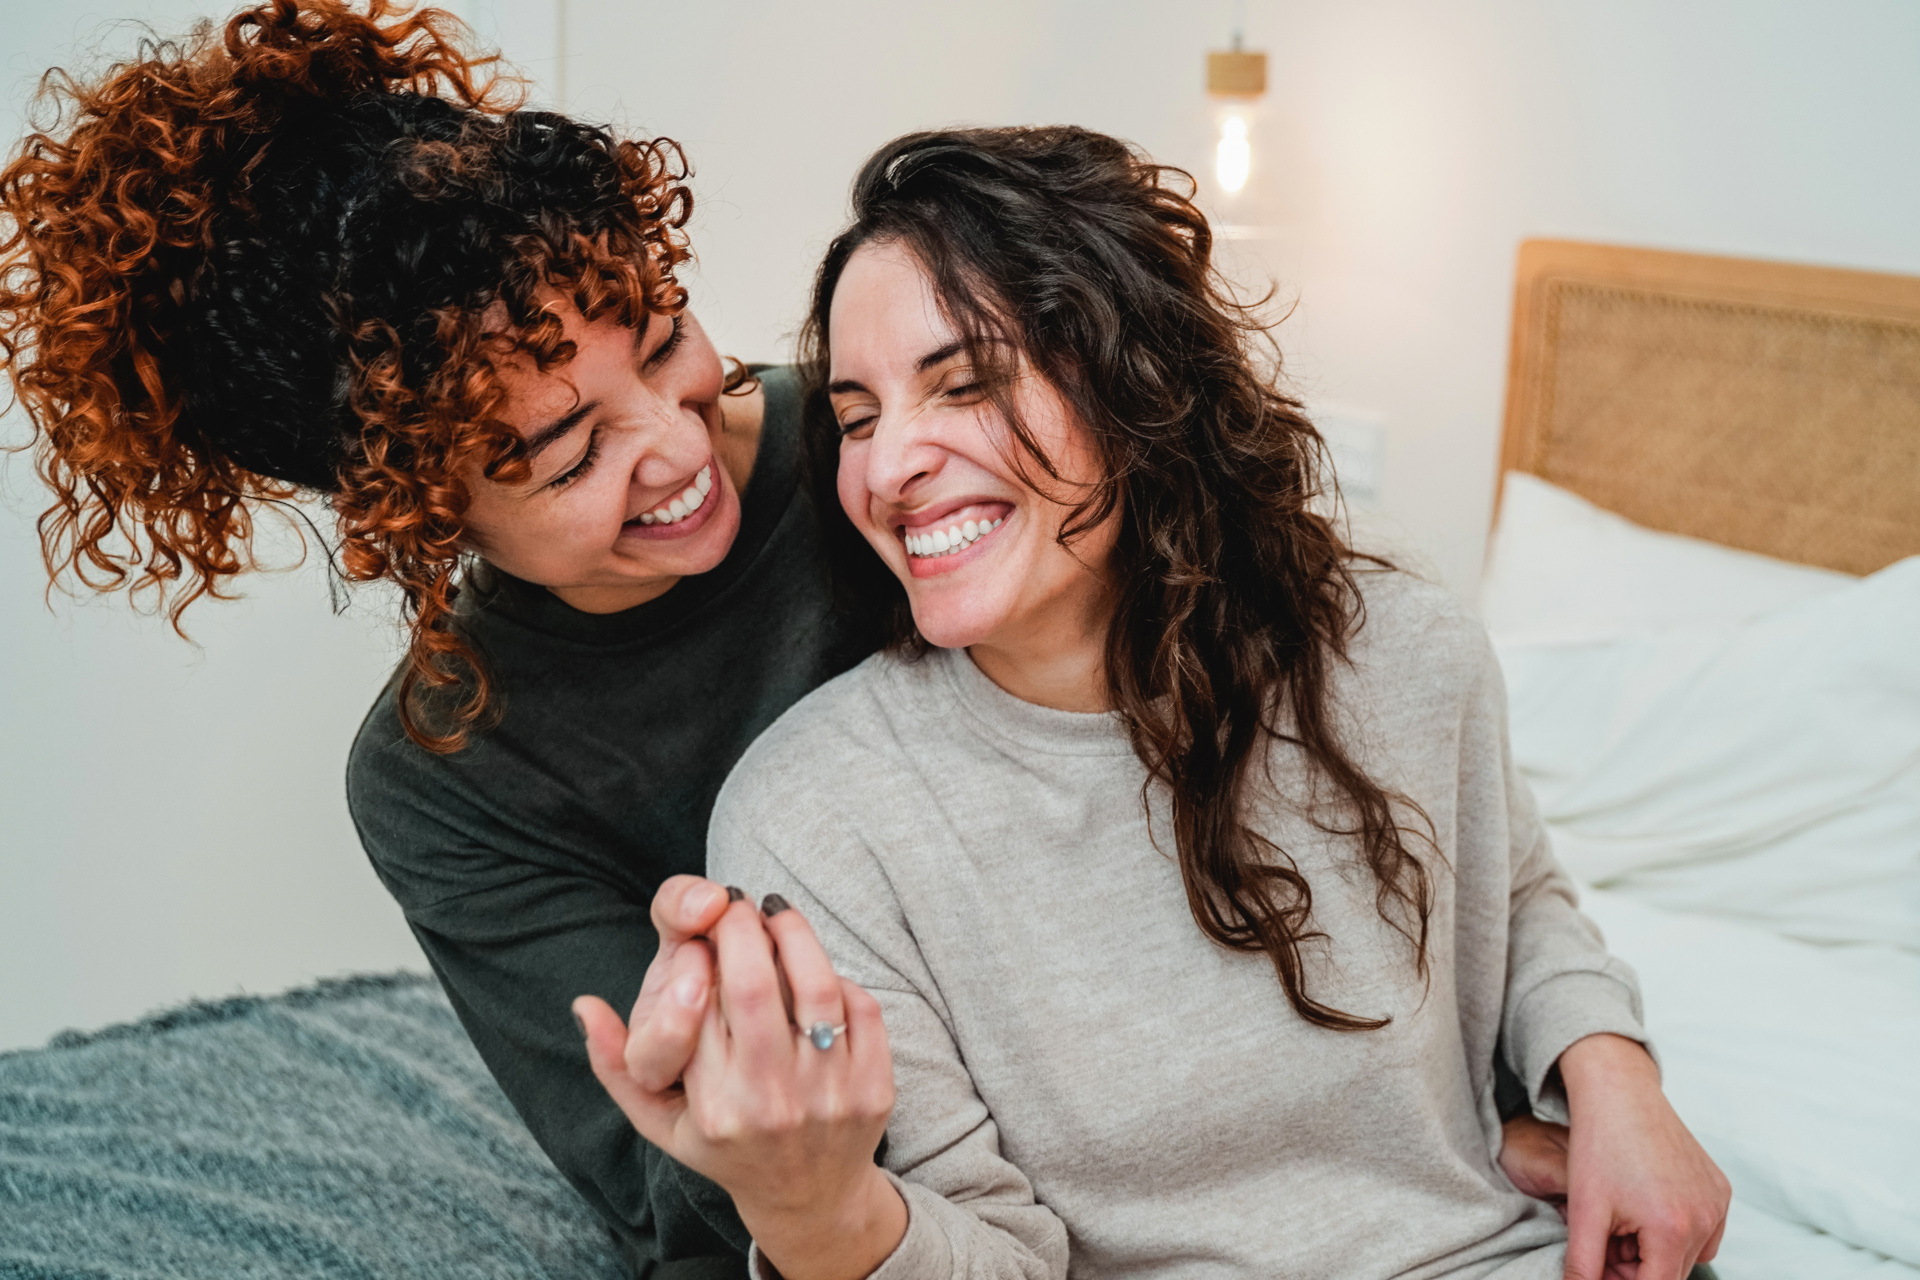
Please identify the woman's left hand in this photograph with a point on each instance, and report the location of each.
(1533, 1155)
(1644, 1201)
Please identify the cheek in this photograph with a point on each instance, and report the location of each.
(705, 388)
(533, 538)
(851, 482)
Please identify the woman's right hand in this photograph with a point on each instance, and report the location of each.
(673, 997)
(788, 1129)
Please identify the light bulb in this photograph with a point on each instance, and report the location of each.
(1232, 158)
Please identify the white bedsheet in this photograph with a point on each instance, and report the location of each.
(1798, 1067)
(1759, 1246)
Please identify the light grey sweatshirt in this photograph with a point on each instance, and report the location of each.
(1087, 1085)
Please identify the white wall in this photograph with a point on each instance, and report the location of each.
(171, 821)
(1408, 146)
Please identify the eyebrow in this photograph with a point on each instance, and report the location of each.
(546, 435)
(939, 355)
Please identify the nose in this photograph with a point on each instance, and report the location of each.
(674, 443)
(902, 457)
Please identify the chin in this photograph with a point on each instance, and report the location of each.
(944, 626)
(717, 539)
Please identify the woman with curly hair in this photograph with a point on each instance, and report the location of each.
(1164, 889)
(319, 251)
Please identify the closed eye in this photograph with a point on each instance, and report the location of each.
(579, 468)
(664, 352)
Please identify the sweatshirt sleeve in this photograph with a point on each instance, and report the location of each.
(970, 1212)
(512, 945)
(1562, 985)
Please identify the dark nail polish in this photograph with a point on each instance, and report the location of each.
(773, 904)
(735, 895)
(579, 1022)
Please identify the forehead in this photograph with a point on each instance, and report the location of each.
(885, 308)
(535, 393)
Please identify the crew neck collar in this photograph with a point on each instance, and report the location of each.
(1028, 724)
(770, 490)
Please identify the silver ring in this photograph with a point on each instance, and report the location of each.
(823, 1034)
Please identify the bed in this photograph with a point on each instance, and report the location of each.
(343, 1130)
(1704, 585)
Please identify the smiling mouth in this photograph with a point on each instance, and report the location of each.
(940, 531)
(954, 538)
(682, 504)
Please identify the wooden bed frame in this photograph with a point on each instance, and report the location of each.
(1763, 406)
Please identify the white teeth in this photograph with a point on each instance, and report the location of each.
(686, 502)
(957, 537)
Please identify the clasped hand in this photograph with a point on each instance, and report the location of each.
(716, 1070)
(1641, 1199)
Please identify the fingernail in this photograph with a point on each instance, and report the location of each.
(690, 991)
(735, 895)
(773, 904)
(579, 1022)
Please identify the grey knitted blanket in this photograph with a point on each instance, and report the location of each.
(346, 1130)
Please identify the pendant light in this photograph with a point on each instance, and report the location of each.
(1236, 79)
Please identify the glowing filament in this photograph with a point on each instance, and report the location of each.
(1233, 157)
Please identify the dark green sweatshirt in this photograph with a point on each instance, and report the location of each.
(526, 863)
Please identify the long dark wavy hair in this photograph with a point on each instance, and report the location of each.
(288, 255)
(1235, 590)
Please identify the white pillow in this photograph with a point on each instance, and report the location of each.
(1560, 567)
(1793, 1065)
(1768, 770)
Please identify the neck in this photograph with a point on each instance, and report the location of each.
(614, 599)
(1063, 665)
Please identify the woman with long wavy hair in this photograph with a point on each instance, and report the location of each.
(1164, 889)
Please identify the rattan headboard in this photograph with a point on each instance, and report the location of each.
(1764, 406)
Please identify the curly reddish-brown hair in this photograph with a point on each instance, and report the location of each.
(291, 257)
